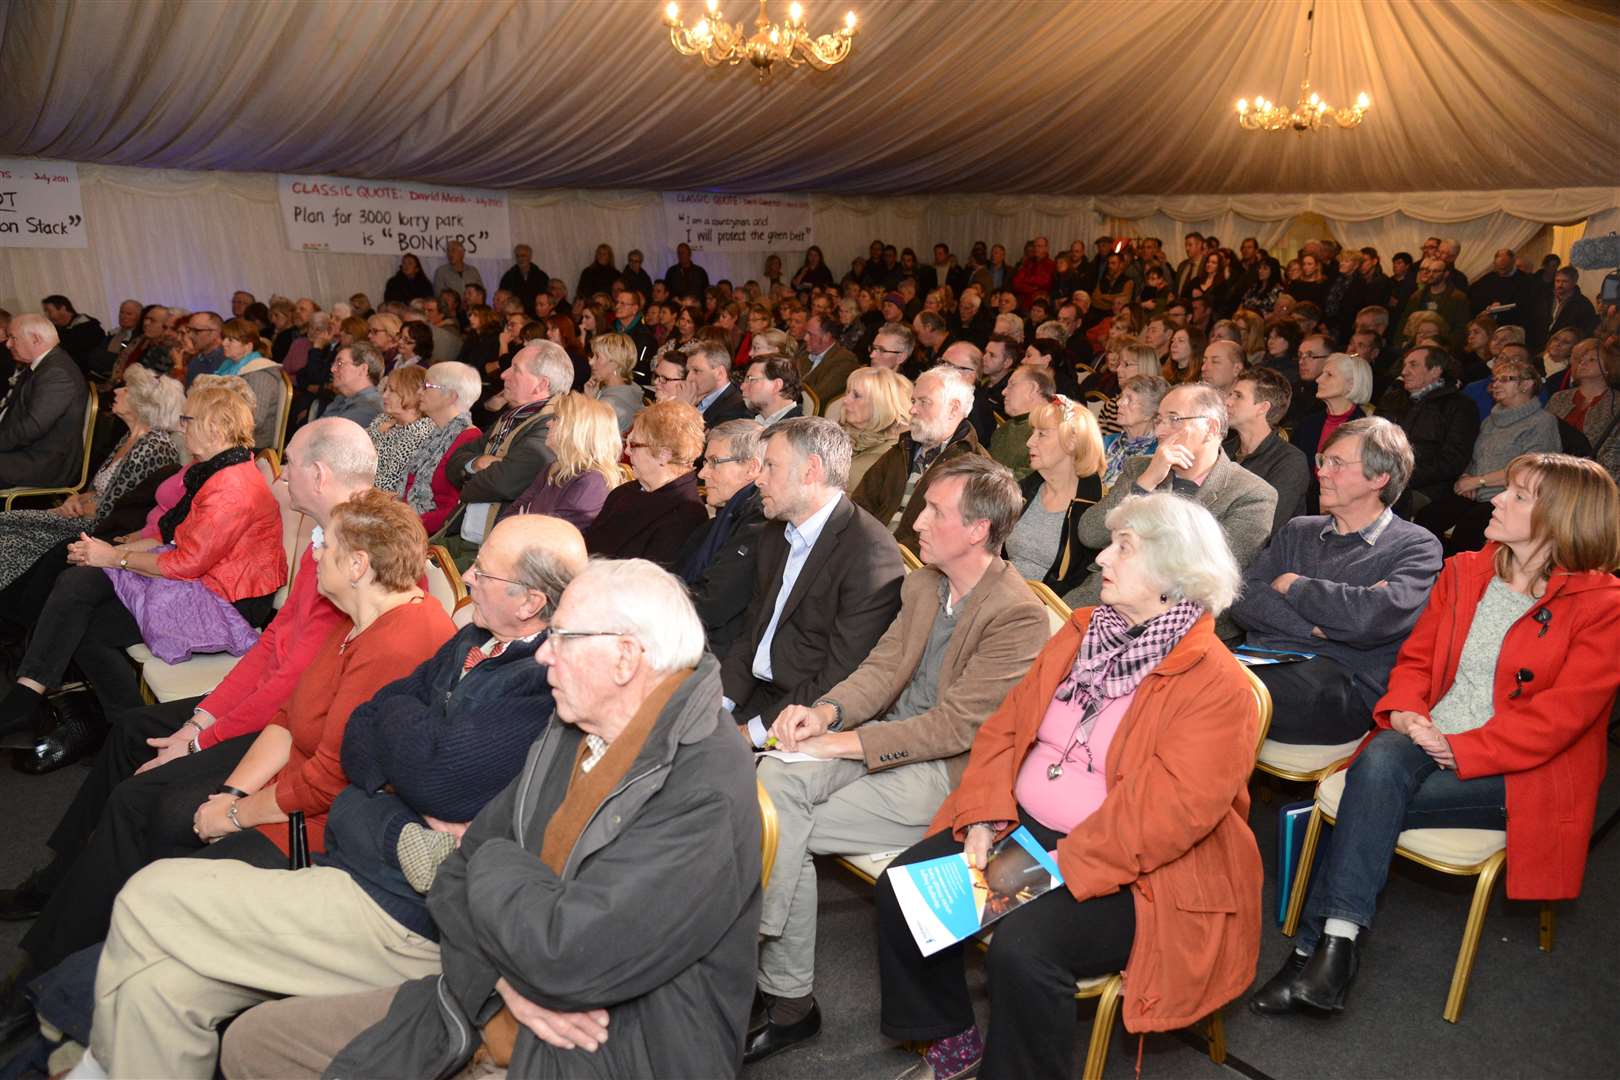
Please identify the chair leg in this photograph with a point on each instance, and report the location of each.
(1302, 873)
(1549, 926)
(1215, 1032)
(1471, 935)
(1102, 1026)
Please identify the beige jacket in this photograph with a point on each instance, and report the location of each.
(998, 634)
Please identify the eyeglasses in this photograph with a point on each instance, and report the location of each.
(184, 419)
(1316, 355)
(669, 378)
(1173, 421)
(756, 378)
(1505, 380)
(557, 633)
(434, 386)
(888, 352)
(727, 460)
(477, 571)
(1325, 463)
(633, 445)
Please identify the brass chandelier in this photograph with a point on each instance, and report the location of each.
(718, 42)
(1310, 112)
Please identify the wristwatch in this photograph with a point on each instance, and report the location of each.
(123, 561)
(838, 713)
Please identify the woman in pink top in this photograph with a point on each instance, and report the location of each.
(1127, 750)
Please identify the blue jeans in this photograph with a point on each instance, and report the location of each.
(1394, 785)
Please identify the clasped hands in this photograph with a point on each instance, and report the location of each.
(1421, 730)
(88, 551)
(804, 730)
(212, 819)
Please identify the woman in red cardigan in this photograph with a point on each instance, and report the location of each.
(204, 583)
(1495, 718)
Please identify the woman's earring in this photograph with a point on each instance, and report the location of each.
(1164, 598)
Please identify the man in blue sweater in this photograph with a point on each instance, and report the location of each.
(1345, 587)
(422, 757)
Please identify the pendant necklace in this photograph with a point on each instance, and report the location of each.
(1055, 770)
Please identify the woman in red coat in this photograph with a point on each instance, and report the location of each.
(1495, 718)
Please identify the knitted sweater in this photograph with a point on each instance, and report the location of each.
(1507, 433)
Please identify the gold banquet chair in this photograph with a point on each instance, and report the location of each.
(1476, 853)
(10, 495)
(768, 831)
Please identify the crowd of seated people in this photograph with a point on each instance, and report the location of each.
(683, 511)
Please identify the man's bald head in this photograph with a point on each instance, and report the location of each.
(327, 461)
(529, 559)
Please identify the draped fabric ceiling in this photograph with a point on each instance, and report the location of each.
(951, 121)
(1099, 97)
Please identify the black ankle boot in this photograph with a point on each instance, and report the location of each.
(24, 714)
(1327, 976)
(1277, 995)
(79, 732)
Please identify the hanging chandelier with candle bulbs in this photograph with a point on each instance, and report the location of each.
(1310, 112)
(788, 42)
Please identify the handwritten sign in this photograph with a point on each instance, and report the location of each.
(391, 217)
(712, 222)
(40, 206)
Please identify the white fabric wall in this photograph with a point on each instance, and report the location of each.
(191, 238)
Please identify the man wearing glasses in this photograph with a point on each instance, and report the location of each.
(890, 346)
(1341, 589)
(203, 337)
(1191, 424)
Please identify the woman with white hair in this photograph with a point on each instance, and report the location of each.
(1127, 750)
(1343, 387)
(447, 398)
(876, 411)
(119, 496)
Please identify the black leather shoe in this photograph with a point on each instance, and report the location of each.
(773, 1038)
(757, 1016)
(23, 902)
(1328, 974)
(79, 732)
(28, 717)
(1277, 995)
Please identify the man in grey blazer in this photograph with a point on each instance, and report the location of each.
(1191, 423)
(42, 416)
(826, 584)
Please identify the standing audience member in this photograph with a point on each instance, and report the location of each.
(893, 737)
(1255, 404)
(523, 279)
(1344, 588)
(597, 948)
(717, 561)
(455, 275)
(1127, 749)
(1066, 451)
(1517, 425)
(893, 490)
(651, 516)
(42, 415)
(408, 283)
(1570, 307)
(827, 582)
(1454, 748)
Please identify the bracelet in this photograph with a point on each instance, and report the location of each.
(838, 713)
(192, 721)
(231, 813)
(193, 747)
(234, 792)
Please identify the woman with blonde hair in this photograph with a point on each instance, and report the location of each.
(1588, 404)
(198, 579)
(1425, 328)
(613, 366)
(1066, 458)
(876, 411)
(1495, 718)
(401, 428)
(584, 437)
(382, 330)
(651, 516)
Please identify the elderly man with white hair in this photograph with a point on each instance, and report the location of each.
(42, 417)
(1191, 423)
(894, 489)
(568, 928)
(499, 469)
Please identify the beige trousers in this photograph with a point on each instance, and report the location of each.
(196, 941)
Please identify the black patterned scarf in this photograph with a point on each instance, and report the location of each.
(196, 476)
(1115, 656)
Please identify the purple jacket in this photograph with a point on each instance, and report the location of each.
(576, 501)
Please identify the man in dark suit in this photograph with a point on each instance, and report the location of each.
(523, 279)
(827, 363)
(686, 278)
(718, 560)
(42, 418)
(826, 586)
(1570, 307)
(708, 381)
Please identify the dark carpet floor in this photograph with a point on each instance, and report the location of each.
(1528, 1013)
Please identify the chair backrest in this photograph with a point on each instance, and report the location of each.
(833, 409)
(909, 557)
(444, 582)
(463, 615)
(1057, 612)
(768, 828)
(91, 407)
(269, 464)
(1082, 370)
(1262, 701)
(285, 413)
(626, 474)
